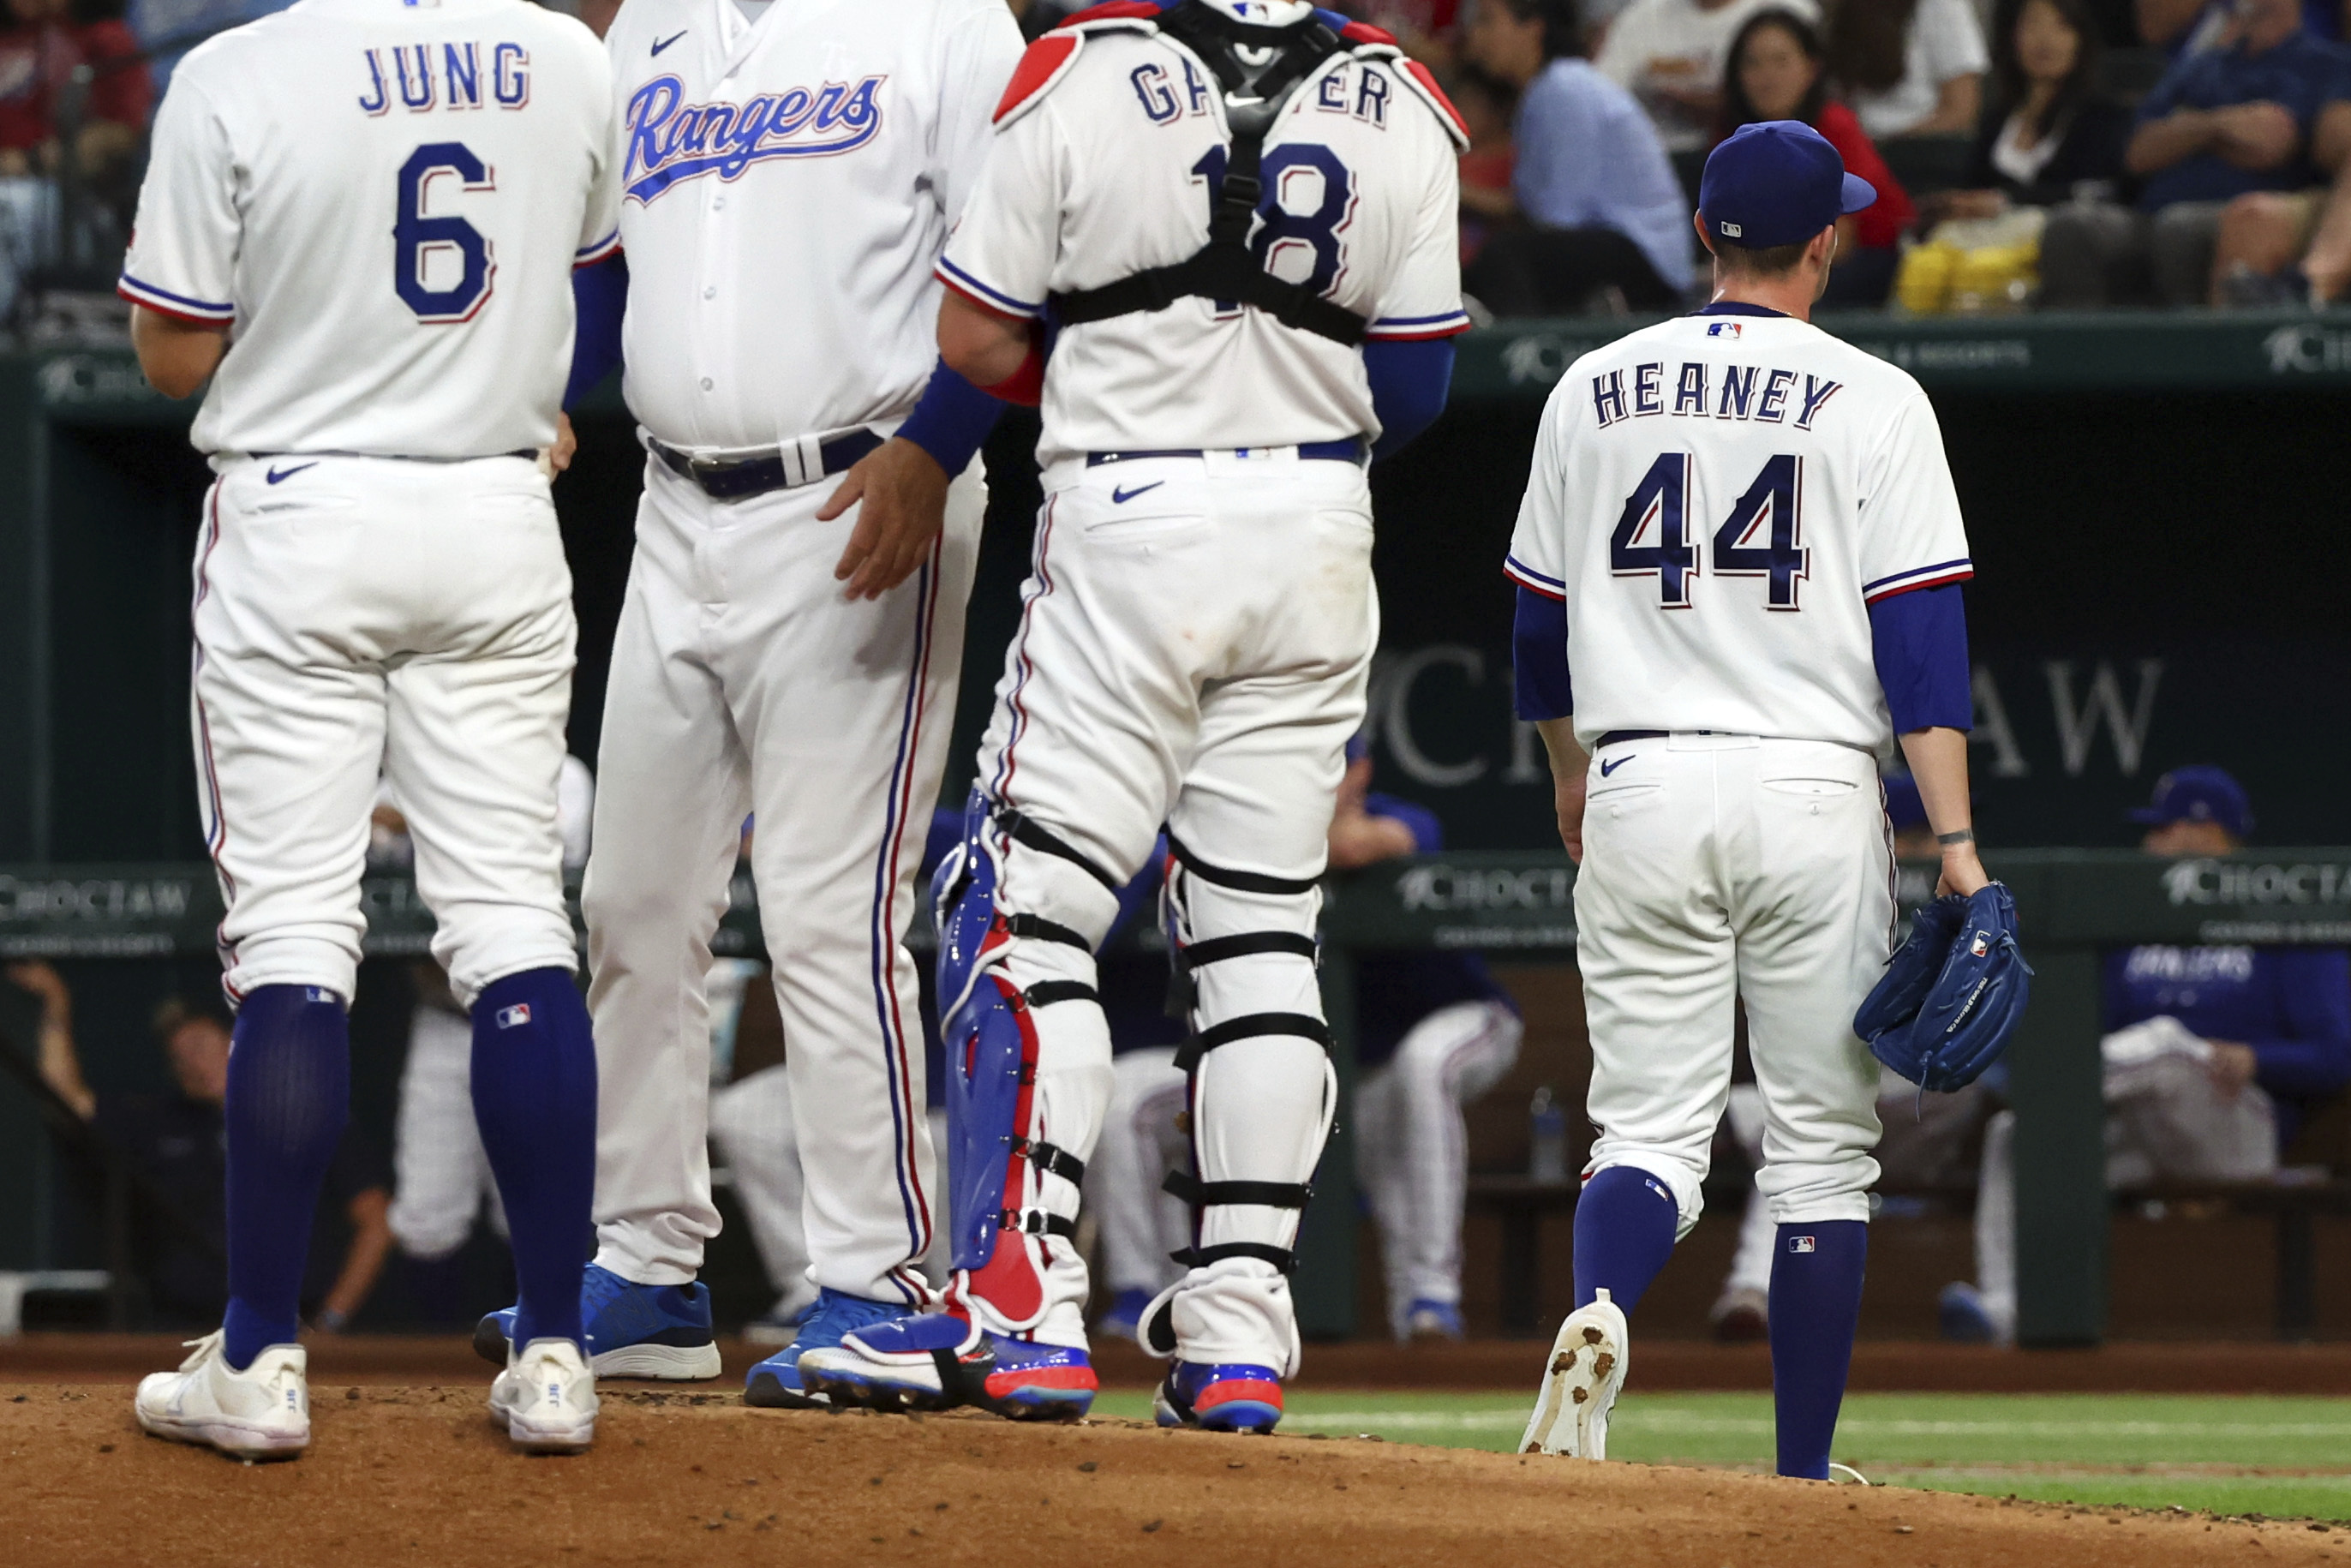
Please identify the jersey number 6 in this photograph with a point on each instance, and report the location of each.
(1652, 536)
(416, 239)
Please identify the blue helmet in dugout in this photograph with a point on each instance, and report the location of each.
(1776, 183)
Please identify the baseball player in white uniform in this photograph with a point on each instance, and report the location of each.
(1193, 649)
(793, 626)
(364, 215)
(1740, 537)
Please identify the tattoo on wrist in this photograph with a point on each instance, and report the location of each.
(1963, 836)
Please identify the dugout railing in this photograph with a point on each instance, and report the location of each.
(1518, 908)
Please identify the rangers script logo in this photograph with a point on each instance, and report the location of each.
(671, 140)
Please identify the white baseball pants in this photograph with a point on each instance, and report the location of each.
(1193, 651)
(1721, 867)
(357, 617)
(742, 680)
(1412, 1145)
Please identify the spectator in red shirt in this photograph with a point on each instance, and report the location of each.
(1777, 71)
(38, 54)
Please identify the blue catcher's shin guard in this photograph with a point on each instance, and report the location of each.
(997, 1156)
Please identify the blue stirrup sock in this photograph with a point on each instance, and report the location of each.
(1817, 1273)
(290, 1096)
(1625, 1220)
(535, 1103)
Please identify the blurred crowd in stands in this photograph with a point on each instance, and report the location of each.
(2054, 155)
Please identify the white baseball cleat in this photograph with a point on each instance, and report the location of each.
(547, 1398)
(1580, 1387)
(261, 1413)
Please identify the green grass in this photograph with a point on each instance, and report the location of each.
(2229, 1454)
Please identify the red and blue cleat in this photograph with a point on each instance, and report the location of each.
(937, 1361)
(1220, 1398)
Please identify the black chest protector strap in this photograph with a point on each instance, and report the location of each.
(1258, 69)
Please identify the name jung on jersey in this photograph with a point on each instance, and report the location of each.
(671, 140)
(422, 77)
(1744, 391)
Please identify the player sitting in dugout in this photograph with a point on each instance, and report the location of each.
(1435, 1032)
(172, 1143)
(2214, 1056)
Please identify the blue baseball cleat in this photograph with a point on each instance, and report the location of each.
(1225, 1399)
(1125, 1318)
(775, 1383)
(1426, 1319)
(633, 1331)
(936, 1361)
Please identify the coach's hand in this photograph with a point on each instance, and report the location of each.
(903, 496)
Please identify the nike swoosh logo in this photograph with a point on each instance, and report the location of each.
(1611, 767)
(661, 44)
(277, 474)
(1120, 497)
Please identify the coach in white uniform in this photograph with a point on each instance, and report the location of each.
(789, 174)
(381, 205)
(1193, 649)
(1740, 537)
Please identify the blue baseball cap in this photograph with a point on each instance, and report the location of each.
(1777, 181)
(2200, 793)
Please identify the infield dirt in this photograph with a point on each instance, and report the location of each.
(418, 1475)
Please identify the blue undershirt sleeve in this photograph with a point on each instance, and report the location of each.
(952, 421)
(1919, 643)
(600, 296)
(1538, 640)
(1409, 380)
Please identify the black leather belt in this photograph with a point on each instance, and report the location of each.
(1348, 451)
(732, 478)
(1615, 736)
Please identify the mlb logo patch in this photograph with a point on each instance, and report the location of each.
(514, 1017)
(1803, 1244)
(1722, 328)
(1980, 945)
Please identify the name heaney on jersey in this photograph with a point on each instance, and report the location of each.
(671, 140)
(1743, 392)
(410, 75)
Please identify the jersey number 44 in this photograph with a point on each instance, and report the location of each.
(1762, 536)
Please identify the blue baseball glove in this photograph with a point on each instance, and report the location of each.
(1952, 996)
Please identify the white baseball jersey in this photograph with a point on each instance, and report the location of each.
(1718, 499)
(384, 201)
(1365, 190)
(787, 184)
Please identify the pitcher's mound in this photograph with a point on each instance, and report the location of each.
(419, 1476)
